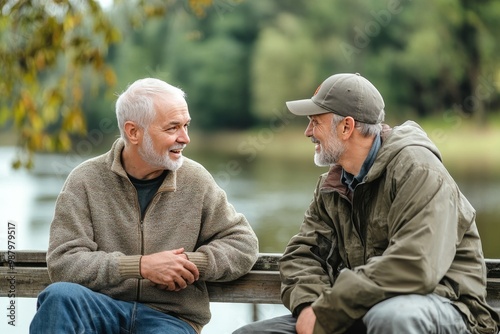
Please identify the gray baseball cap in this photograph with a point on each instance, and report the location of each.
(344, 94)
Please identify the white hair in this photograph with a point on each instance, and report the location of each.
(365, 129)
(137, 102)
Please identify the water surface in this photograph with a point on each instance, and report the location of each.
(273, 194)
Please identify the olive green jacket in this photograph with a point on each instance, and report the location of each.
(97, 236)
(406, 229)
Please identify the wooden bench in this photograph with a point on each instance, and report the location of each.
(24, 273)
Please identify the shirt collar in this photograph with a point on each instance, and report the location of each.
(352, 181)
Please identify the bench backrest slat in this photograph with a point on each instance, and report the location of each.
(24, 273)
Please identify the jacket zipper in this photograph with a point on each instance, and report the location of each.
(356, 228)
(141, 226)
(141, 236)
(357, 225)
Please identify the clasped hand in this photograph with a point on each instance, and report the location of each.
(169, 270)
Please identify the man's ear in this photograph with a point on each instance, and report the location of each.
(348, 125)
(133, 132)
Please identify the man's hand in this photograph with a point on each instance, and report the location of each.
(169, 270)
(305, 321)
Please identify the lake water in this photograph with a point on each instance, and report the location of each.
(272, 194)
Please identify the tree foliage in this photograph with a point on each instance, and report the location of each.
(47, 49)
(238, 60)
(42, 36)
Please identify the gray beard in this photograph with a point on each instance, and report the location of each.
(329, 157)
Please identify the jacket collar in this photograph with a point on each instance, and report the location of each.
(333, 181)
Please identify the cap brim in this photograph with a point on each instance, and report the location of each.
(305, 108)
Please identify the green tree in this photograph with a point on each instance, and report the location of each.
(284, 66)
(430, 56)
(210, 59)
(239, 61)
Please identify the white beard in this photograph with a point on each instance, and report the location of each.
(331, 156)
(149, 155)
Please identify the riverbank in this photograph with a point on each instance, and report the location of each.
(467, 149)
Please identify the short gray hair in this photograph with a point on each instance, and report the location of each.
(365, 129)
(137, 102)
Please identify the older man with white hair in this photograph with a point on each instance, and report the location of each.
(139, 230)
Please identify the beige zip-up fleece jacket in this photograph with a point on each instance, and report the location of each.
(97, 236)
(406, 229)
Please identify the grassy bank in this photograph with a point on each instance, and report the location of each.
(468, 150)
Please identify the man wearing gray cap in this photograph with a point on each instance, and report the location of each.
(388, 244)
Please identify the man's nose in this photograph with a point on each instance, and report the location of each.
(183, 136)
(308, 132)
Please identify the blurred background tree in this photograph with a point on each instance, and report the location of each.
(239, 61)
(52, 54)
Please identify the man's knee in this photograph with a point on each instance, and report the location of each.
(396, 313)
(61, 291)
(278, 325)
(243, 330)
(253, 328)
(378, 313)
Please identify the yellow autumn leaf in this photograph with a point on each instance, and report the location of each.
(16, 164)
(28, 164)
(48, 143)
(113, 36)
(35, 141)
(64, 141)
(49, 113)
(40, 60)
(74, 121)
(109, 76)
(77, 93)
(199, 6)
(5, 114)
(69, 23)
(27, 101)
(36, 121)
(19, 113)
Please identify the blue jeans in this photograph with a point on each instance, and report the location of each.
(64, 308)
(409, 314)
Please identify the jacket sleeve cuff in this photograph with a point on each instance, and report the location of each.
(200, 260)
(130, 266)
(298, 309)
